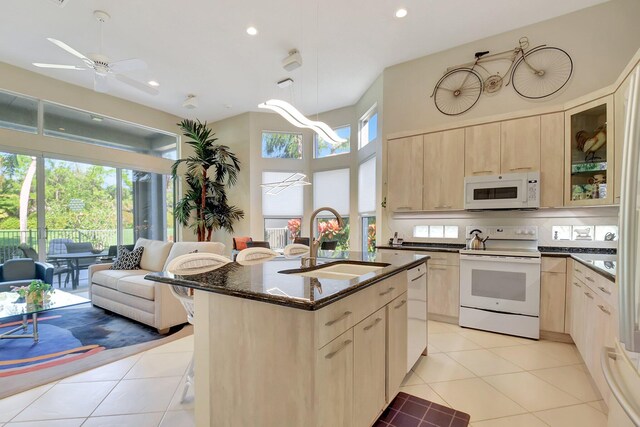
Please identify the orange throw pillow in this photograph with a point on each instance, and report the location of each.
(241, 242)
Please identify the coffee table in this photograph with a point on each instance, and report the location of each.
(12, 305)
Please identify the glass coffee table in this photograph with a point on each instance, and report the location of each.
(12, 305)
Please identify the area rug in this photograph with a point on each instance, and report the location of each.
(73, 340)
(410, 411)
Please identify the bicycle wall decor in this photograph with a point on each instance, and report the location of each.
(534, 73)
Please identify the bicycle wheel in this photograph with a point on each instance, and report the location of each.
(542, 72)
(457, 91)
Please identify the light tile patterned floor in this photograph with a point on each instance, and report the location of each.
(501, 381)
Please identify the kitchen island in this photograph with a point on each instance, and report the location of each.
(274, 347)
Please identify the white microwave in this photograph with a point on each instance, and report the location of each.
(508, 191)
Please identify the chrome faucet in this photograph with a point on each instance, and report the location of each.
(314, 244)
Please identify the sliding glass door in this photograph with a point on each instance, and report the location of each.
(18, 204)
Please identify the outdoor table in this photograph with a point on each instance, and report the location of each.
(73, 260)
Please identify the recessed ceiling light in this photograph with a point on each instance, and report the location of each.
(153, 83)
(401, 13)
(252, 31)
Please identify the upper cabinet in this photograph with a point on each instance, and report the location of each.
(520, 145)
(552, 160)
(443, 186)
(405, 174)
(589, 153)
(482, 150)
(620, 111)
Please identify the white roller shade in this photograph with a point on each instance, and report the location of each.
(331, 188)
(367, 186)
(287, 203)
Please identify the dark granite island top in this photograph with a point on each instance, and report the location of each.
(265, 282)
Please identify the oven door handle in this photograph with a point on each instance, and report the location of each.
(502, 259)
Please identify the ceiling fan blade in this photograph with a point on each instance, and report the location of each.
(64, 46)
(136, 84)
(60, 66)
(100, 83)
(128, 65)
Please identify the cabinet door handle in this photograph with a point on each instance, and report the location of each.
(419, 277)
(576, 284)
(588, 295)
(442, 207)
(589, 279)
(403, 302)
(474, 172)
(604, 310)
(388, 291)
(576, 270)
(605, 290)
(375, 322)
(342, 347)
(521, 168)
(553, 272)
(334, 321)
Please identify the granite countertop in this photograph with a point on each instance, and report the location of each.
(425, 247)
(264, 282)
(602, 264)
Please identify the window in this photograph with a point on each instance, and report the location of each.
(331, 188)
(368, 234)
(282, 212)
(83, 126)
(281, 145)
(367, 203)
(436, 231)
(324, 148)
(18, 112)
(368, 127)
(585, 233)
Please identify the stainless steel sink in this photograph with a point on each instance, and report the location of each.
(341, 270)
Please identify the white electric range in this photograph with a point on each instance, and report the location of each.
(500, 285)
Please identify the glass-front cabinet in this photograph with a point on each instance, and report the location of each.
(589, 155)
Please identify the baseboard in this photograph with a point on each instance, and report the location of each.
(556, 336)
(442, 318)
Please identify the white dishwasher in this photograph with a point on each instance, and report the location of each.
(416, 314)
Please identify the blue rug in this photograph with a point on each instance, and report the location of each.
(70, 334)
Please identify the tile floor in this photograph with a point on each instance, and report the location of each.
(500, 381)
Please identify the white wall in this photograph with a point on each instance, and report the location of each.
(601, 40)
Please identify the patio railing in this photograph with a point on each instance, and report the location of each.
(10, 239)
(278, 238)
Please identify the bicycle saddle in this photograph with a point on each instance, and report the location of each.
(481, 54)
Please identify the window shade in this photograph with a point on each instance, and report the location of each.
(367, 186)
(289, 202)
(331, 188)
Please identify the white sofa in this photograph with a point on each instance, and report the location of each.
(129, 294)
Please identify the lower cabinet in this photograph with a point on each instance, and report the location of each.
(444, 290)
(334, 370)
(369, 366)
(397, 336)
(553, 278)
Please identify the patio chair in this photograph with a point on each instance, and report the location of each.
(20, 272)
(258, 244)
(57, 246)
(329, 245)
(58, 268)
(301, 240)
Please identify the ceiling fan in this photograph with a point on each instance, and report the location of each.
(101, 66)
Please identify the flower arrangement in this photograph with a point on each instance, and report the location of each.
(294, 228)
(36, 292)
(371, 238)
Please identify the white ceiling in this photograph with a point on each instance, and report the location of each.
(201, 46)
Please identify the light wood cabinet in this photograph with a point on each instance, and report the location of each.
(444, 290)
(369, 361)
(589, 176)
(520, 145)
(552, 160)
(482, 150)
(334, 369)
(620, 112)
(552, 301)
(577, 313)
(405, 174)
(396, 344)
(443, 185)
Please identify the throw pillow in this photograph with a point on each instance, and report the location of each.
(128, 260)
(241, 242)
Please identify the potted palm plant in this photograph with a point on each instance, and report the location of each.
(211, 169)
